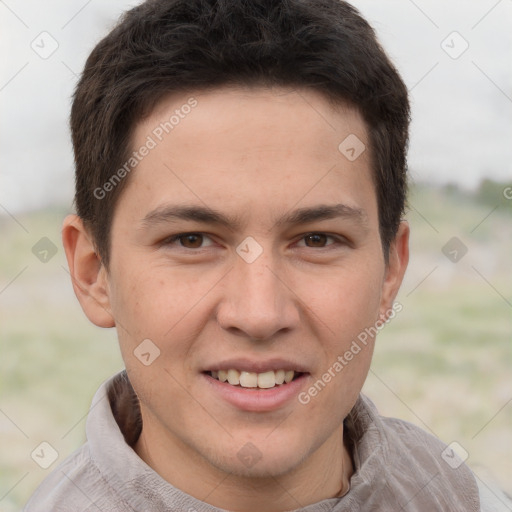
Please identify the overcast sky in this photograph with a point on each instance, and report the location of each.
(453, 54)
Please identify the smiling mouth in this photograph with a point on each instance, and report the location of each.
(265, 380)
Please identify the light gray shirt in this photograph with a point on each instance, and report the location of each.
(397, 466)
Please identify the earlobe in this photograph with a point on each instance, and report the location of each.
(395, 269)
(88, 275)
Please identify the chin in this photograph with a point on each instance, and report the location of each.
(274, 468)
(260, 459)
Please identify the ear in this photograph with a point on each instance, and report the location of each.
(395, 268)
(89, 276)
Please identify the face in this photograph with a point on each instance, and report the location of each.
(247, 241)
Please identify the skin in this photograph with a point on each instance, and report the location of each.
(254, 155)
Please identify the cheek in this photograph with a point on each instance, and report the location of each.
(347, 309)
(160, 305)
(348, 301)
(150, 300)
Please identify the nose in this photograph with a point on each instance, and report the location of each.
(258, 303)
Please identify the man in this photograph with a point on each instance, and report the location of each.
(240, 185)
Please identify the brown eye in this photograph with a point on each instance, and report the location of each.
(316, 240)
(191, 240)
(188, 241)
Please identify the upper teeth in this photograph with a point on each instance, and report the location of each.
(254, 380)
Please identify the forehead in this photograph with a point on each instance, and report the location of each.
(251, 120)
(259, 149)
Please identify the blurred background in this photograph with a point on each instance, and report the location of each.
(443, 363)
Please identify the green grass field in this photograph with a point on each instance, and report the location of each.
(443, 363)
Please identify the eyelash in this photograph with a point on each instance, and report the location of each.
(338, 240)
(170, 240)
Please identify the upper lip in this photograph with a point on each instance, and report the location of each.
(257, 366)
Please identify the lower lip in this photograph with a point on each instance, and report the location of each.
(257, 399)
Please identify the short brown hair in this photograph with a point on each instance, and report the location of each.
(165, 46)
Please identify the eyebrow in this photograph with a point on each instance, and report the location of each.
(170, 213)
(323, 212)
